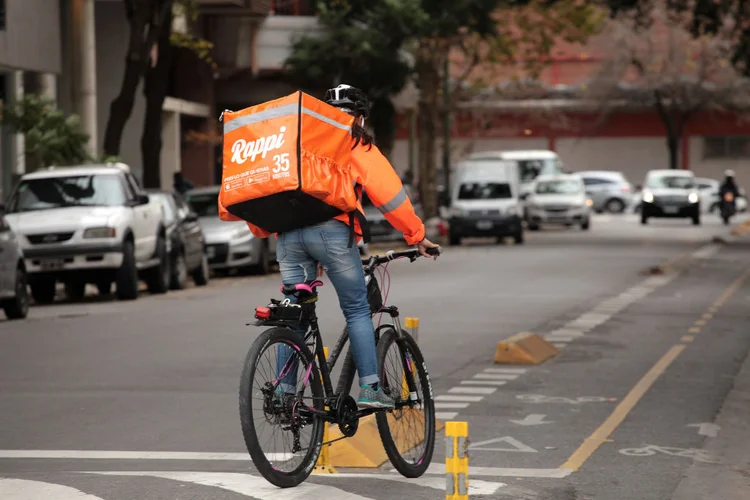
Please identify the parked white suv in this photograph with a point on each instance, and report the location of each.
(89, 224)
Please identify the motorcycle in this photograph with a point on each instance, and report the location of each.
(728, 207)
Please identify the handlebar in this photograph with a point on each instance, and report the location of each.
(411, 254)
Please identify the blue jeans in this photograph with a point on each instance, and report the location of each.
(298, 253)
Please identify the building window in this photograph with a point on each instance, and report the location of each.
(726, 147)
(2, 14)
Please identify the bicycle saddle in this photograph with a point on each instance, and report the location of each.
(301, 287)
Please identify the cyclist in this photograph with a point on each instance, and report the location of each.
(729, 185)
(304, 253)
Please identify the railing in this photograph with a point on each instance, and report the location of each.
(293, 7)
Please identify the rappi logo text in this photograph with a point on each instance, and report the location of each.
(242, 150)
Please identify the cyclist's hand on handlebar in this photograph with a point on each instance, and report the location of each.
(423, 245)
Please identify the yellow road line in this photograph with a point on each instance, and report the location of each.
(618, 415)
(695, 329)
(601, 434)
(687, 338)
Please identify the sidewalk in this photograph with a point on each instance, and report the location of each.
(729, 478)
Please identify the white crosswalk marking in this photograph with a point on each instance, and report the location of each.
(25, 489)
(251, 486)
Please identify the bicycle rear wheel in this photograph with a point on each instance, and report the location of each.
(408, 432)
(287, 415)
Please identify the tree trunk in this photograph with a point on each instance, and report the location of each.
(383, 121)
(156, 87)
(136, 63)
(673, 144)
(429, 116)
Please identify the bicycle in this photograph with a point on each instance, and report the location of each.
(289, 410)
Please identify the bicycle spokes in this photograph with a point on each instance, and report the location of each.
(407, 421)
(281, 401)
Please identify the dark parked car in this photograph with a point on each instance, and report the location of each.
(186, 243)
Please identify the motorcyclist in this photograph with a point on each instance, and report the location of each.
(729, 185)
(302, 252)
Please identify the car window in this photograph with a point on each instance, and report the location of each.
(72, 191)
(133, 184)
(484, 191)
(204, 204)
(670, 181)
(531, 169)
(567, 186)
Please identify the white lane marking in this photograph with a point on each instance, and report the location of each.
(445, 415)
(567, 332)
(24, 489)
(497, 376)
(245, 484)
(506, 370)
(533, 419)
(515, 445)
(476, 486)
(559, 338)
(470, 399)
(439, 469)
(559, 345)
(484, 382)
(709, 429)
(125, 455)
(439, 405)
(705, 252)
(471, 390)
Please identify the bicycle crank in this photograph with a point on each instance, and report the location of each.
(346, 414)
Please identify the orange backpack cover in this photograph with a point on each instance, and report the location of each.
(287, 164)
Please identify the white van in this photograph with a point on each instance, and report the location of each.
(531, 164)
(484, 201)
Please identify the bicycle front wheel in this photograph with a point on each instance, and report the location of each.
(408, 432)
(280, 383)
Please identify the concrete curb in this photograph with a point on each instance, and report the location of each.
(729, 478)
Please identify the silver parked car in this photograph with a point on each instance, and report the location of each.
(609, 191)
(230, 245)
(14, 298)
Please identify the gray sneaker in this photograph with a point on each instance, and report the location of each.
(370, 398)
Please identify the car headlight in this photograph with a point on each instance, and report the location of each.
(589, 202)
(693, 197)
(648, 197)
(512, 210)
(100, 232)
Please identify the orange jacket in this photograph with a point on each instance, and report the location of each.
(374, 172)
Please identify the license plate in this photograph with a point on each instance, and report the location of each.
(484, 224)
(211, 252)
(670, 210)
(51, 264)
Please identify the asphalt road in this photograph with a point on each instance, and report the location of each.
(89, 391)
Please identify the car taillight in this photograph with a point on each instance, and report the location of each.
(262, 312)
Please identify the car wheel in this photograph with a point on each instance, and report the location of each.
(75, 290)
(454, 240)
(518, 238)
(644, 218)
(179, 278)
(104, 287)
(533, 227)
(696, 220)
(159, 277)
(615, 206)
(201, 275)
(43, 291)
(586, 224)
(18, 306)
(127, 275)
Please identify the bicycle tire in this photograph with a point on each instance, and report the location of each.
(272, 475)
(406, 469)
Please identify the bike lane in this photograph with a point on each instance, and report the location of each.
(624, 408)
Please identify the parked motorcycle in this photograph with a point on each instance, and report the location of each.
(728, 207)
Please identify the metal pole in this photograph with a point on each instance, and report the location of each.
(446, 124)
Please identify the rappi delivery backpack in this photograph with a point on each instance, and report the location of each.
(287, 165)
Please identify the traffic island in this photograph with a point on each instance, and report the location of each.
(525, 348)
(365, 449)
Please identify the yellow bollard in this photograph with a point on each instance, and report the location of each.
(323, 465)
(456, 461)
(413, 325)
